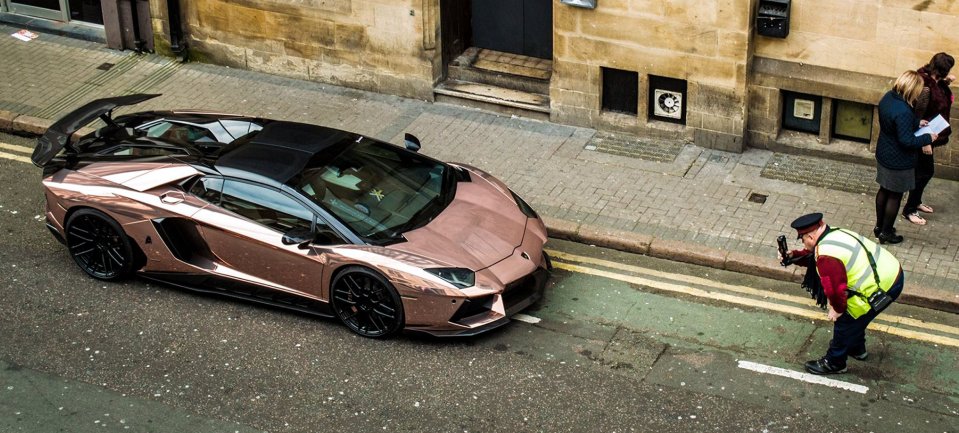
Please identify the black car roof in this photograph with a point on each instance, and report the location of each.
(279, 151)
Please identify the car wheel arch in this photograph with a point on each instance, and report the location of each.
(358, 268)
(140, 258)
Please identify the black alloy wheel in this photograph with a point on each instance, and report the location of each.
(99, 245)
(366, 303)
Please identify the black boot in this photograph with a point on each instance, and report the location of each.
(876, 230)
(889, 238)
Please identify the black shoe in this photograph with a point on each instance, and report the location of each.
(823, 366)
(889, 238)
(876, 230)
(861, 357)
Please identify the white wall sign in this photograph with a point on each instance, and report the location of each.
(804, 109)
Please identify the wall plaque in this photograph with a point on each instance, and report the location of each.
(804, 109)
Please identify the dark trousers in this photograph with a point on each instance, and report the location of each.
(849, 335)
(925, 168)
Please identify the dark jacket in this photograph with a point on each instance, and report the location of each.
(938, 102)
(897, 147)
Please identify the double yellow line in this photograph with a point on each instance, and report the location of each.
(935, 333)
(15, 156)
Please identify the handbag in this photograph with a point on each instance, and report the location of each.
(879, 300)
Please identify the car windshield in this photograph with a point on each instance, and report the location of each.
(378, 190)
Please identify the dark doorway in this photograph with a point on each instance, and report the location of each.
(455, 31)
(523, 27)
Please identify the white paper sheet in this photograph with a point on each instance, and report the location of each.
(25, 35)
(935, 126)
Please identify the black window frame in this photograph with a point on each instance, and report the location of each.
(835, 114)
(793, 123)
(677, 85)
(620, 93)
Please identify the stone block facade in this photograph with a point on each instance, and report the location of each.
(704, 43)
(734, 81)
(848, 51)
(376, 45)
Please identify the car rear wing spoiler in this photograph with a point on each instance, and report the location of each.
(57, 137)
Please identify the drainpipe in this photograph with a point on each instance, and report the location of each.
(135, 15)
(177, 44)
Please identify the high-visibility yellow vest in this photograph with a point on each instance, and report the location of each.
(841, 244)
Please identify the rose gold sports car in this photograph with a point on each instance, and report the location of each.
(294, 215)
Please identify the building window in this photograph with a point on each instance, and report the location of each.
(801, 112)
(667, 99)
(620, 91)
(852, 120)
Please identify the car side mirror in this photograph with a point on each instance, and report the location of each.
(298, 236)
(412, 143)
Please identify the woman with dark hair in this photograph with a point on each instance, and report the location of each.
(896, 152)
(935, 100)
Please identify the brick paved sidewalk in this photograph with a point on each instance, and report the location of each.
(667, 199)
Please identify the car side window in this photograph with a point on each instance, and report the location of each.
(325, 235)
(139, 151)
(239, 128)
(180, 133)
(266, 206)
(208, 189)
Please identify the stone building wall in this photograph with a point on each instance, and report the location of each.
(377, 45)
(849, 50)
(840, 51)
(705, 42)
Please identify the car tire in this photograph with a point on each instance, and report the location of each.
(366, 303)
(99, 245)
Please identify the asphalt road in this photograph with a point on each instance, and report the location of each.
(621, 343)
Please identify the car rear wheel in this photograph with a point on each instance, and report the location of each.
(366, 303)
(99, 246)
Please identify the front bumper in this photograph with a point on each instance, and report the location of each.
(481, 314)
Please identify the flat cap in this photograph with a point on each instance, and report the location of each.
(807, 223)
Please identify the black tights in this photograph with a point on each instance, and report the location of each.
(925, 169)
(887, 209)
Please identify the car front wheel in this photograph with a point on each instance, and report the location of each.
(99, 246)
(366, 303)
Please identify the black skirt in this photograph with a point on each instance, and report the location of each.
(896, 180)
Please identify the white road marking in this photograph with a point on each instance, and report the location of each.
(805, 377)
(527, 318)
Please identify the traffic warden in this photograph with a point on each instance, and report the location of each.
(858, 279)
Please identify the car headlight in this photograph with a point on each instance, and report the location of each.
(523, 206)
(459, 277)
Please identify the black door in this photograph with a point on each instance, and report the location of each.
(522, 27)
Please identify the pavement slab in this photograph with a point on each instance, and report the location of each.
(669, 199)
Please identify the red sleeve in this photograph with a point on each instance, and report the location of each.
(833, 275)
(802, 257)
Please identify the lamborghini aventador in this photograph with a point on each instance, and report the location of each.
(290, 214)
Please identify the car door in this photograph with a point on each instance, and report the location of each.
(244, 230)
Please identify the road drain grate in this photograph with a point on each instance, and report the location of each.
(757, 198)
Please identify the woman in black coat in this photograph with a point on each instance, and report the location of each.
(935, 100)
(896, 152)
